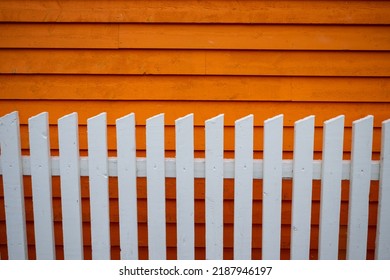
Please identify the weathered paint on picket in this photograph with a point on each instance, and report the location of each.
(11, 161)
(98, 187)
(68, 138)
(127, 186)
(185, 197)
(331, 188)
(243, 188)
(272, 187)
(383, 229)
(42, 186)
(302, 188)
(359, 190)
(155, 172)
(214, 169)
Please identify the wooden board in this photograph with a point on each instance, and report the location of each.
(195, 62)
(215, 11)
(194, 36)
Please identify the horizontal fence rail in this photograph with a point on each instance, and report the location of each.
(360, 170)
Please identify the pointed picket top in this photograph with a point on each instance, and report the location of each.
(68, 120)
(382, 251)
(42, 186)
(215, 120)
(156, 119)
(97, 118)
(186, 118)
(336, 121)
(276, 120)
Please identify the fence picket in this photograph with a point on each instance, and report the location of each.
(272, 187)
(127, 187)
(42, 186)
(68, 137)
(185, 187)
(359, 189)
(155, 170)
(382, 251)
(98, 187)
(214, 188)
(332, 155)
(243, 188)
(11, 161)
(302, 188)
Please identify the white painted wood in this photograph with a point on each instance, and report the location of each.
(243, 188)
(155, 170)
(332, 154)
(199, 168)
(185, 188)
(272, 187)
(42, 186)
(13, 187)
(68, 138)
(359, 189)
(127, 187)
(302, 188)
(382, 248)
(214, 187)
(98, 187)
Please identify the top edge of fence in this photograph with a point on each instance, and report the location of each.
(246, 118)
(102, 115)
(186, 117)
(306, 119)
(338, 118)
(160, 116)
(219, 117)
(39, 116)
(277, 118)
(68, 116)
(11, 115)
(125, 117)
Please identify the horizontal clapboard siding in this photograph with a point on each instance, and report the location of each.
(205, 88)
(195, 36)
(196, 62)
(297, 58)
(215, 11)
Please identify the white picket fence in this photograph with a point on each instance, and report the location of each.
(360, 170)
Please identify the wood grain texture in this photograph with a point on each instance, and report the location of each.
(194, 88)
(215, 11)
(195, 36)
(195, 62)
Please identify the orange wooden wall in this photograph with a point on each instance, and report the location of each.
(204, 57)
